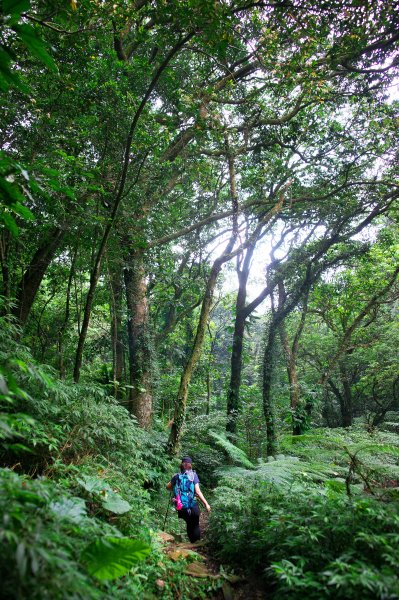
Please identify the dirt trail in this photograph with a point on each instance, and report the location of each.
(233, 586)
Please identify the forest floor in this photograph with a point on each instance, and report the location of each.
(235, 586)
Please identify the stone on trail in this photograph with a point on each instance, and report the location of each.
(179, 553)
(166, 538)
(199, 570)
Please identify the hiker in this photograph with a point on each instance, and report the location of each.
(185, 486)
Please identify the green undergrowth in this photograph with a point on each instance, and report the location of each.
(47, 538)
(319, 524)
(82, 498)
(80, 491)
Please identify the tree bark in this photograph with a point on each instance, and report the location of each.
(268, 368)
(228, 254)
(233, 394)
(242, 313)
(33, 276)
(291, 353)
(284, 308)
(116, 285)
(140, 393)
(5, 241)
(292, 379)
(61, 333)
(347, 402)
(182, 395)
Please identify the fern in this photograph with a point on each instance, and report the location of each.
(283, 472)
(234, 454)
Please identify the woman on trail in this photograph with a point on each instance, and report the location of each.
(185, 486)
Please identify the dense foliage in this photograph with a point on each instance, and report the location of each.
(316, 528)
(86, 509)
(199, 253)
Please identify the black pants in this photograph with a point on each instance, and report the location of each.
(191, 518)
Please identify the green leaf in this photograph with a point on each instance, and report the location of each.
(10, 192)
(29, 497)
(10, 223)
(237, 455)
(73, 509)
(15, 7)
(94, 484)
(23, 211)
(17, 448)
(7, 78)
(109, 558)
(35, 45)
(116, 504)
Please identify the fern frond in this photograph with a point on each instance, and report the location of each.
(236, 455)
(282, 472)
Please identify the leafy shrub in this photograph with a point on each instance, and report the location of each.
(53, 548)
(45, 533)
(67, 533)
(292, 522)
(70, 430)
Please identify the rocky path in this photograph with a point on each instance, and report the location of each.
(233, 586)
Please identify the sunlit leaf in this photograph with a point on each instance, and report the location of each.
(23, 211)
(116, 504)
(94, 484)
(109, 558)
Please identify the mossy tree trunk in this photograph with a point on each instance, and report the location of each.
(116, 288)
(346, 405)
(268, 368)
(182, 395)
(33, 276)
(64, 325)
(140, 392)
(291, 354)
(233, 394)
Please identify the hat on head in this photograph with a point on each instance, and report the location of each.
(186, 459)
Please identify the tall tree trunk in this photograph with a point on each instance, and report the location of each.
(33, 276)
(61, 332)
(291, 353)
(140, 393)
(233, 394)
(116, 285)
(292, 380)
(268, 368)
(347, 402)
(181, 400)
(209, 370)
(5, 241)
(242, 313)
(228, 254)
(208, 392)
(182, 395)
